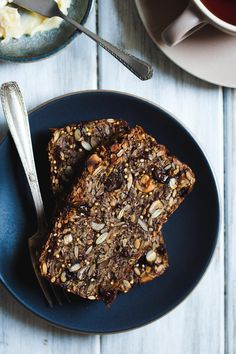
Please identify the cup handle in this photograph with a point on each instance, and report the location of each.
(187, 23)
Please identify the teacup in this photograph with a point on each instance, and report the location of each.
(197, 15)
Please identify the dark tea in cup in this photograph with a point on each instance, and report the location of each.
(223, 9)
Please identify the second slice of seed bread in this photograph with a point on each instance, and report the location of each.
(71, 145)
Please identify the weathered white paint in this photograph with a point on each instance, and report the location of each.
(230, 219)
(197, 325)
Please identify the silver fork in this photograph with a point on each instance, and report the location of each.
(17, 119)
(49, 8)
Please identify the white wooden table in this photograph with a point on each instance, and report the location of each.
(205, 323)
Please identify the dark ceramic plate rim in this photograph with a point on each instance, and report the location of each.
(54, 51)
(219, 219)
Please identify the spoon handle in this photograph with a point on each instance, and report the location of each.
(18, 123)
(137, 66)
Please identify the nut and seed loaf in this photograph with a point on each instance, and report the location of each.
(59, 145)
(113, 218)
(73, 143)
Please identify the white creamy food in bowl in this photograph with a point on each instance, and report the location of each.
(14, 24)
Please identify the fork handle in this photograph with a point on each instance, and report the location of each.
(18, 123)
(137, 66)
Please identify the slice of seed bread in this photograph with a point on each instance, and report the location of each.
(113, 217)
(73, 143)
(62, 159)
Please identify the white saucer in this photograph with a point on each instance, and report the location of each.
(208, 54)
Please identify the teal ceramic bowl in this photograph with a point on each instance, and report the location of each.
(44, 44)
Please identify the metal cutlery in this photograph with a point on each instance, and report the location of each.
(49, 8)
(17, 120)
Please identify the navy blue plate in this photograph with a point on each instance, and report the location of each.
(190, 234)
(44, 44)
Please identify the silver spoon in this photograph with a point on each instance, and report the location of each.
(17, 120)
(49, 8)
